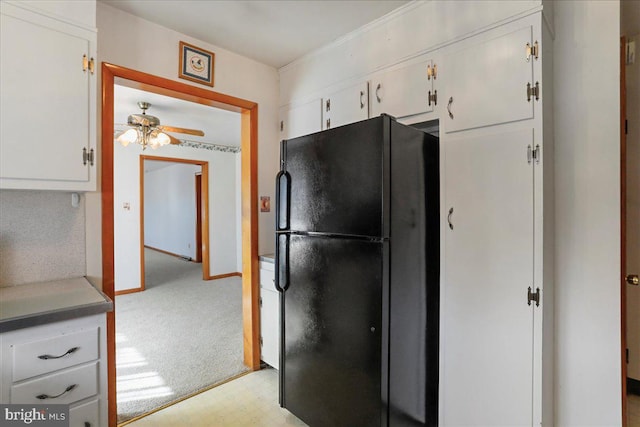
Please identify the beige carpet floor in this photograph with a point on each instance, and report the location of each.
(179, 336)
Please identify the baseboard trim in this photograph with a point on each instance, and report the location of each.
(633, 386)
(183, 257)
(222, 276)
(128, 291)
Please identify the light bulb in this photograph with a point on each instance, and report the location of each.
(127, 137)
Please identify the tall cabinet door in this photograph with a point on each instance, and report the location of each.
(47, 108)
(487, 352)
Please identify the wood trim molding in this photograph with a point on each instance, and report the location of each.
(162, 251)
(204, 194)
(222, 276)
(249, 137)
(129, 291)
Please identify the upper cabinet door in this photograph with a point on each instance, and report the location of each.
(47, 110)
(300, 119)
(403, 91)
(346, 106)
(486, 81)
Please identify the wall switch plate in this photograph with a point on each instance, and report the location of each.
(630, 52)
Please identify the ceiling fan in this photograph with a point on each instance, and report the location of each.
(146, 130)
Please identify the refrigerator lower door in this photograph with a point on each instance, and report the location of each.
(332, 346)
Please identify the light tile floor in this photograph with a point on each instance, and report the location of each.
(633, 409)
(251, 400)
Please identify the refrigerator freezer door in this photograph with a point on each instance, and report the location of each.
(332, 347)
(336, 179)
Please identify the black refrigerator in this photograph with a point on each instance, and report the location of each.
(357, 268)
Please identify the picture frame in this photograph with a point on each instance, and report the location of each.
(196, 64)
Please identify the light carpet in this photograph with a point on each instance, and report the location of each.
(179, 336)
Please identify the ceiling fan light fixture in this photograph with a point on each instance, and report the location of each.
(158, 139)
(127, 137)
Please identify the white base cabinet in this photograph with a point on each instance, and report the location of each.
(48, 103)
(269, 316)
(58, 363)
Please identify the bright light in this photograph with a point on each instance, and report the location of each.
(128, 137)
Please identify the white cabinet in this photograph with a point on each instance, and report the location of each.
(269, 316)
(58, 363)
(489, 253)
(48, 107)
(300, 119)
(487, 80)
(345, 106)
(404, 90)
(496, 302)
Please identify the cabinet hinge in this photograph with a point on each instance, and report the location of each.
(328, 123)
(327, 105)
(626, 127)
(87, 156)
(432, 71)
(533, 296)
(433, 97)
(532, 50)
(281, 125)
(88, 64)
(533, 91)
(533, 154)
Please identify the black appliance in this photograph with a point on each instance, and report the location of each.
(357, 267)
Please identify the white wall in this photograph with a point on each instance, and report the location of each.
(222, 209)
(587, 318)
(128, 41)
(170, 209)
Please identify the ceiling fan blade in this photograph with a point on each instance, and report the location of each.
(181, 130)
(174, 140)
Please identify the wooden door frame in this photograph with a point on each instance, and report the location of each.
(623, 227)
(249, 185)
(203, 228)
(199, 236)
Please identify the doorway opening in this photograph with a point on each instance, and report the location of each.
(249, 201)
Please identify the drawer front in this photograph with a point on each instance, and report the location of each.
(267, 279)
(48, 355)
(85, 414)
(81, 382)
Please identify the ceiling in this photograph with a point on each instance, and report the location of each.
(274, 32)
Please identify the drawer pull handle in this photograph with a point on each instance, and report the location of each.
(67, 390)
(48, 356)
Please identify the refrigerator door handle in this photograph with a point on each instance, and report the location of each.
(283, 187)
(282, 263)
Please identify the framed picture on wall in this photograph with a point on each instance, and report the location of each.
(196, 64)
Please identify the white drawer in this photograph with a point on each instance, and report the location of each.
(267, 279)
(48, 355)
(84, 380)
(85, 414)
